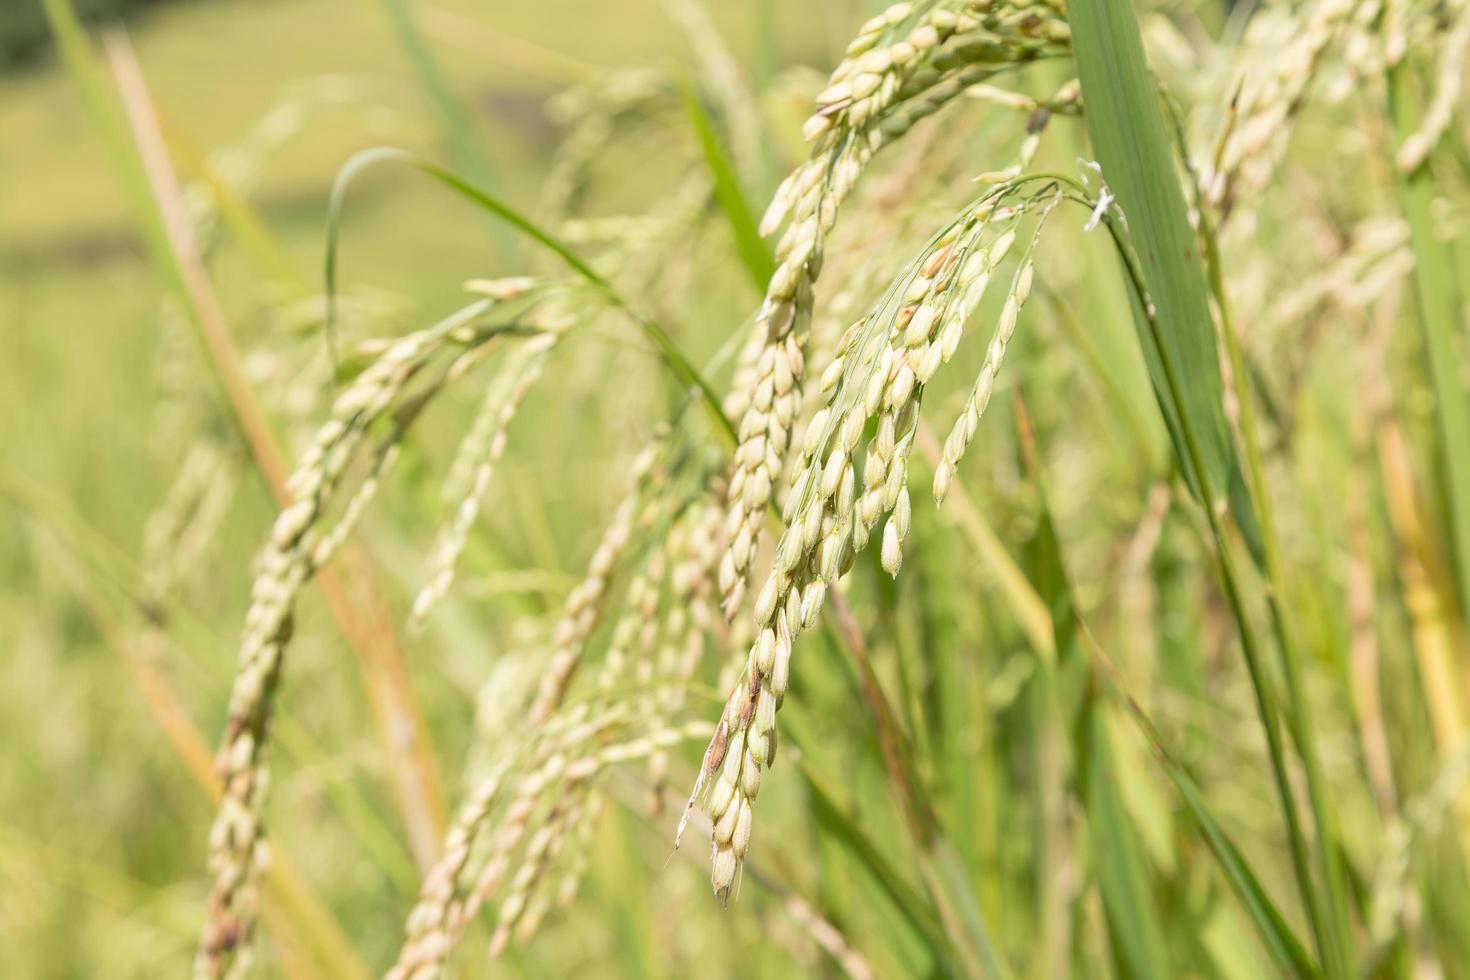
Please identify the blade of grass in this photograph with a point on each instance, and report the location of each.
(302, 915)
(1122, 877)
(1270, 924)
(100, 577)
(1172, 313)
(677, 363)
(1262, 686)
(1024, 601)
(910, 904)
(1267, 550)
(749, 245)
(958, 912)
(1129, 138)
(833, 814)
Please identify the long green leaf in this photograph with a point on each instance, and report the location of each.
(1171, 310)
(909, 903)
(1271, 925)
(754, 254)
(1129, 908)
(455, 119)
(1131, 143)
(1128, 905)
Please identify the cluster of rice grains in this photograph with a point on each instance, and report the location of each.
(401, 378)
(663, 543)
(679, 549)
(877, 378)
(905, 64)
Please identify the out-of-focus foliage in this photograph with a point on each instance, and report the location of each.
(1046, 263)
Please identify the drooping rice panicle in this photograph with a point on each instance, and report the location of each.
(893, 75)
(444, 903)
(575, 866)
(566, 757)
(555, 764)
(484, 446)
(879, 375)
(237, 842)
(541, 851)
(576, 772)
(969, 420)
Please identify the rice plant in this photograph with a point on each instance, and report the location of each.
(1128, 336)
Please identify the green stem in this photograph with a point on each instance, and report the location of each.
(1266, 705)
(1300, 718)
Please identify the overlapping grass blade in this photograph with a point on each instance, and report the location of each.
(455, 120)
(1270, 924)
(1131, 911)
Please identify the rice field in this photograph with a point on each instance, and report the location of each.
(964, 488)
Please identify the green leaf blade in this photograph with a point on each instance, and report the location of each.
(1132, 146)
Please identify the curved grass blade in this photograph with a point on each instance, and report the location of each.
(754, 254)
(835, 821)
(455, 120)
(1122, 875)
(682, 369)
(1130, 908)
